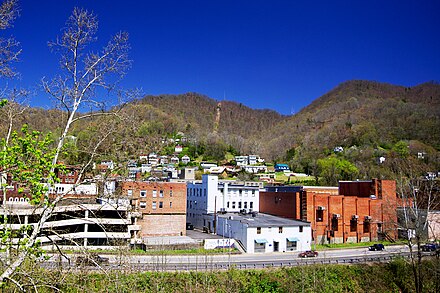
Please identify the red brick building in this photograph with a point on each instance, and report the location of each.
(161, 205)
(356, 211)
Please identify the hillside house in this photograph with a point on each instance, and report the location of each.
(282, 168)
(178, 149)
(186, 159)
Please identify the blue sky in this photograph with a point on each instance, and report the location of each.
(279, 55)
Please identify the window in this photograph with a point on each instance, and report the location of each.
(171, 193)
(291, 245)
(301, 229)
(130, 192)
(379, 227)
(366, 227)
(233, 204)
(251, 205)
(280, 229)
(335, 224)
(253, 192)
(227, 204)
(353, 225)
(171, 204)
(319, 215)
(153, 205)
(245, 205)
(239, 204)
(143, 193)
(155, 193)
(143, 205)
(258, 230)
(240, 192)
(161, 193)
(259, 247)
(160, 204)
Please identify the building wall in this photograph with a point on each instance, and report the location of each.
(434, 225)
(162, 225)
(247, 235)
(339, 218)
(211, 196)
(165, 200)
(282, 204)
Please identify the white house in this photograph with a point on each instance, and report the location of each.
(80, 189)
(186, 159)
(241, 160)
(255, 169)
(209, 197)
(175, 160)
(152, 159)
(146, 168)
(262, 233)
(178, 149)
(163, 160)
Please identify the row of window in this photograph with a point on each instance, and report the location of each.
(245, 205)
(239, 192)
(196, 192)
(18, 199)
(280, 229)
(353, 225)
(154, 205)
(144, 193)
(261, 247)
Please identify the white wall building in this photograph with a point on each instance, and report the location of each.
(206, 198)
(79, 189)
(264, 233)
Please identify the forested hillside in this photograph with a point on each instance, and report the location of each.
(366, 119)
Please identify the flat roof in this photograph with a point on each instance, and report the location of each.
(263, 220)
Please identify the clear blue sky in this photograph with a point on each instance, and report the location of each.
(279, 55)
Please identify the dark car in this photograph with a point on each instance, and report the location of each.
(430, 247)
(376, 247)
(308, 253)
(91, 260)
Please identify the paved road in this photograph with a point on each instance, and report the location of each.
(215, 262)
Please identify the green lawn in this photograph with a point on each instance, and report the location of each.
(352, 245)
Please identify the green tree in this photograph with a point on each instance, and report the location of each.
(332, 169)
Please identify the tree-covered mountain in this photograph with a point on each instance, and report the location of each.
(367, 119)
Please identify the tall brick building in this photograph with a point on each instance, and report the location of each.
(161, 207)
(356, 211)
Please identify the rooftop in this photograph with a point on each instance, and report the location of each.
(263, 220)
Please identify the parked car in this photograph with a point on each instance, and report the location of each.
(376, 247)
(308, 253)
(91, 260)
(430, 247)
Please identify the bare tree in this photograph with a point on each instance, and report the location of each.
(418, 196)
(84, 76)
(9, 47)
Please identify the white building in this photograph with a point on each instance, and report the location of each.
(152, 159)
(71, 189)
(260, 233)
(254, 169)
(248, 160)
(209, 197)
(186, 159)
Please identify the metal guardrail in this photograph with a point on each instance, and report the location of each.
(163, 265)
